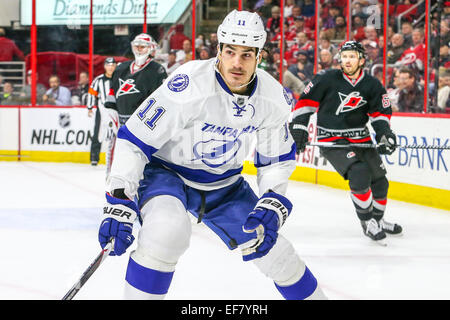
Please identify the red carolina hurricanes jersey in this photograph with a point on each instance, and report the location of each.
(344, 106)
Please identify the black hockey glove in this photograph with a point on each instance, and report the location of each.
(300, 134)
(387, 142)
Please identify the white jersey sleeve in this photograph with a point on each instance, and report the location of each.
(275, 148)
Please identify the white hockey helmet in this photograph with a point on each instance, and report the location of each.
(242, 28)
(143, 39)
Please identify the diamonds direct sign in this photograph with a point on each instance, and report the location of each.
(77, 12)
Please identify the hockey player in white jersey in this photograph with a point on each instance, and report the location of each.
(182, 153)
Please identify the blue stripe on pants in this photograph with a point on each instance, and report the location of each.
(300, 290)
(148, 280)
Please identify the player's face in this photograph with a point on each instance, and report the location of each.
(141, 49)
(350, 62)
(237, 65)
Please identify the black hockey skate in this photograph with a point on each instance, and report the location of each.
(373, 230)
(390, 228)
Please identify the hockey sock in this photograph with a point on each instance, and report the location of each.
(379, 205)
(380, 190)
(148, 280)
(300, 290)
(362, 200)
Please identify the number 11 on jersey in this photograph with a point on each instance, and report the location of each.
(156, 115)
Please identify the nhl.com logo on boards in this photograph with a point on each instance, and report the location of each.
(63, 135)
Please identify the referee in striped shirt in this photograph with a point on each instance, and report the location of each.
(98, 92)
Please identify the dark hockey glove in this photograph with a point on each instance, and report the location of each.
(387, 142)
(119, 216)
(300, 134)
(269, 214)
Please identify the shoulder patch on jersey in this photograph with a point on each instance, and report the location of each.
(178, 83)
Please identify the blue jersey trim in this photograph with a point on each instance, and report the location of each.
(126, 134)
(262, 161)
(197, 175)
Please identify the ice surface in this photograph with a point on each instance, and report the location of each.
(50, 213)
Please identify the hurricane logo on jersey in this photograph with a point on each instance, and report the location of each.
(127, 87)
(350, 102)
(215, 153)
(178, 83)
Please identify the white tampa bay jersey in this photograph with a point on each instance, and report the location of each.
(193, 125)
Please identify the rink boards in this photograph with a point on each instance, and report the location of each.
(63, 134)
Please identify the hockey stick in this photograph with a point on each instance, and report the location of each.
(89, 271)
(369, 145)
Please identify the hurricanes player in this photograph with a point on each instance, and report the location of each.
(346, 100)
(133, 81)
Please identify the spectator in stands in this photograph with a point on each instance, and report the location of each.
(80, 93)
(296, 12)
(308, 8)
(325, 43)
(407, 30)
(444, 90)
(330, 20)
(445, 31)
(336, 64)
(394, 89)
(177, 39)
(303, 69)
(171, 63)
(288, 6)
(444, 56)
(204, 53)
(396, 49)
(8, 49)
(291, 81)
(446, 13)
(418, 45)
(199, 44)
(339, 32)
(358, 28)
(57, 94)
(213, 42)
(25, 93)
(374, 54)
(185, 54)
(357, 10)
(8, 96)
(410, 98)
(273, 23)
(265, 57)
(325, 59)
(297, 26)
(444, 37)
(265, 11)
(370, 34)
(302, 43)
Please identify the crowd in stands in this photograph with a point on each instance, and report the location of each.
(405, 50)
